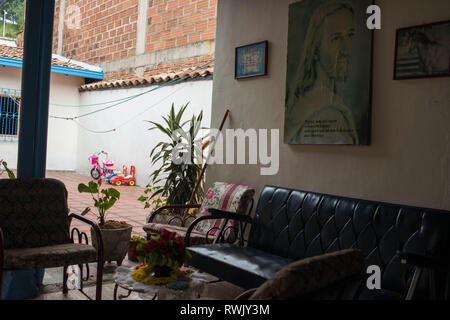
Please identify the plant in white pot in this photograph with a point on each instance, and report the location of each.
(115, 234)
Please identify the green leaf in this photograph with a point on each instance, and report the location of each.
(82, 188)
(110, 203)
(142, 198)
(85, 211)
(114, 193)
(93, 187)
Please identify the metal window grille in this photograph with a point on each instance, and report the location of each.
(9, 114)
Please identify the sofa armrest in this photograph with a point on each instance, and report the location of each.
(172, 206)
(423, 261)
(97, 231)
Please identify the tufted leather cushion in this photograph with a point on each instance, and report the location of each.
(33, 213)
(296, 224)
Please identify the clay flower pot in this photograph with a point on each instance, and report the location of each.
(115, 243)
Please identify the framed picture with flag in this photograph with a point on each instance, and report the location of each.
(423, 51)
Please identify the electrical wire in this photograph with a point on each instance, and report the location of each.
(132, 118)
(187, 76)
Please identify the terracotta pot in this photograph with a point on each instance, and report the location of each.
(115, 243)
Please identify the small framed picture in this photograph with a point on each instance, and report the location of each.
(251, 60)
(423, 51)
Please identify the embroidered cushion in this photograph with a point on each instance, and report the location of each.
(224, 196)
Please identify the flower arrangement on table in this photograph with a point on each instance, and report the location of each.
(162, 261)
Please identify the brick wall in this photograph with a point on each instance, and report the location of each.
(108, 28)
(173, 23)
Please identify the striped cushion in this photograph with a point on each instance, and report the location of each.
(223, 196)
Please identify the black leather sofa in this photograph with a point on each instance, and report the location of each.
(289, 225)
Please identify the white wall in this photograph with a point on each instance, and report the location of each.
(62, 135)
(132, 143)
(408, 161)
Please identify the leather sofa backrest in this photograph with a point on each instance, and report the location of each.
(298, 224)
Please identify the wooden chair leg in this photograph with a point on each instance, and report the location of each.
(65, 277)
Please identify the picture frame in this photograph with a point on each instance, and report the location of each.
(251, 60)
(422, 51)
(329, 73)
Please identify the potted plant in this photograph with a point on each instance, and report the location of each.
(115, 234)
(162, 259)
(174, 181)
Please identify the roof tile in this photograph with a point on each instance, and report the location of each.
(128, 81)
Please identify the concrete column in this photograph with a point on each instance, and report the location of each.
(62, 16)
(141, 26)
(38, 37)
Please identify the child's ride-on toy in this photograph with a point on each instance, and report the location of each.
(123, 178)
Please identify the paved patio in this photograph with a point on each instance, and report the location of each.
(128, 208)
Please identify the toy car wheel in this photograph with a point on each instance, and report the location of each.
(131, 183)
(118, 183)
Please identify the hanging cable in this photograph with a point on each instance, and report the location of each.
(132, 118)
(187, 76)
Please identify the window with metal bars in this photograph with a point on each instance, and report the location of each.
(9, 113)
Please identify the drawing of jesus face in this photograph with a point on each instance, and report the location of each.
(334, 52)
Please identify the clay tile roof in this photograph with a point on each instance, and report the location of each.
(17, 53)
(128, 81)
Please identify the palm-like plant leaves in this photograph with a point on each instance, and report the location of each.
(179, 180)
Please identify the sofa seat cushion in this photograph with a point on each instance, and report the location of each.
(247, 266)
(195, 238)
(49, 257)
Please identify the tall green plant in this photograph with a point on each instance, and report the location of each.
(8, 171)
(178, 171)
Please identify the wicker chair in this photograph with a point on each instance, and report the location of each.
(205, 229)
(34, 230)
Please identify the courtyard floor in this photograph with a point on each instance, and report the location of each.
(128, 209)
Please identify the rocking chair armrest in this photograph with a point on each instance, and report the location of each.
(215, 214)
(97, 231)
(172, 206)
(222, 214)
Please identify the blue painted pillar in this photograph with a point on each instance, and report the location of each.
(36, 70)
(32, 156)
